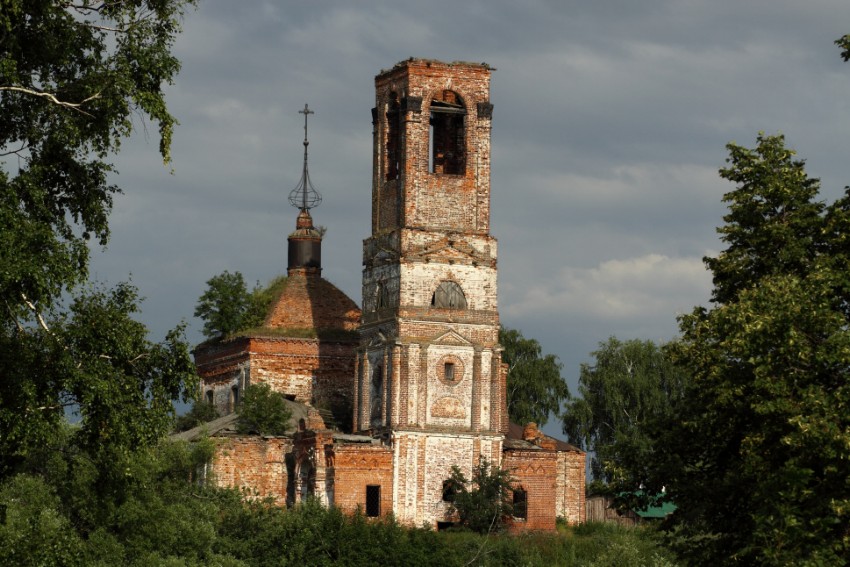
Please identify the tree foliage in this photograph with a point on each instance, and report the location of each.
(96, 361)
(536, 389)
(72, 77)
(263, 411)
(224, 304)
(757, 457)
(201, 412)
(773, 223)
(227, 307)
(844, 43)
(482, 502)
(629, 389)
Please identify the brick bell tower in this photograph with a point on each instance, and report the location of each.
(429, 380)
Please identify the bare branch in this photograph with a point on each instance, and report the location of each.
(12, 315)
(52, 98)
(41, 321)
(17, 152)
(105, 28)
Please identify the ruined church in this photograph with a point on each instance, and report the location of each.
(388, 396)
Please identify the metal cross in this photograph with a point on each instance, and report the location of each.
(305, 196)
(305, 112)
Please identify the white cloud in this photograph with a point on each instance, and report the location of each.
(641, 287)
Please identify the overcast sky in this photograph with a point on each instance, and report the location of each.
(609, 126)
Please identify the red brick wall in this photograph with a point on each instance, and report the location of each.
(535, 472)
(255, 463)
(310, 302)
(359, 465)
(433, 201)
(288, 366)
(314, 371)
(216, 362)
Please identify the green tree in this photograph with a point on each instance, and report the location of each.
(263, 411)
(227, 307)
(202, 412)
(756, 457)
(72, 78)
(536, 389)
(629, 389)
(482, 502)
(224, 305)
(96, 361)
(33, 530)
(773, 222)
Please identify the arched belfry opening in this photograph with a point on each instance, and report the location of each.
(448, 295)
(447, 135)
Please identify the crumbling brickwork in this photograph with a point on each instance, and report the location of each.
(570, 486)
(423, 379)
(305, 350)
(255, 464)
(311, 303)
(428, 366)
(357, 466)
(432, 198)
(534, 472)
(314, 371)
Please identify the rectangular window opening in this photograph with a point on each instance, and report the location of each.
(373, 500)
(449, 372)
(520, 504)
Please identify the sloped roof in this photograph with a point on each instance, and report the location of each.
(226, 425)
(309, 301)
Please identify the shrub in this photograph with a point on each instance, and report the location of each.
(263, 411)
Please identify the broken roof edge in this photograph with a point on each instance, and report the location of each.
(226, 425)
(428, 61)
(328, 335)
(516, 434)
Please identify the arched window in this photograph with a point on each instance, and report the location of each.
(448, 295)
(393, 141)
(447, 135)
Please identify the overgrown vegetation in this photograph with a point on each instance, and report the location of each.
(263, 411)
(149, 508)
(201, 412)
(227, 307)
(483, 502)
